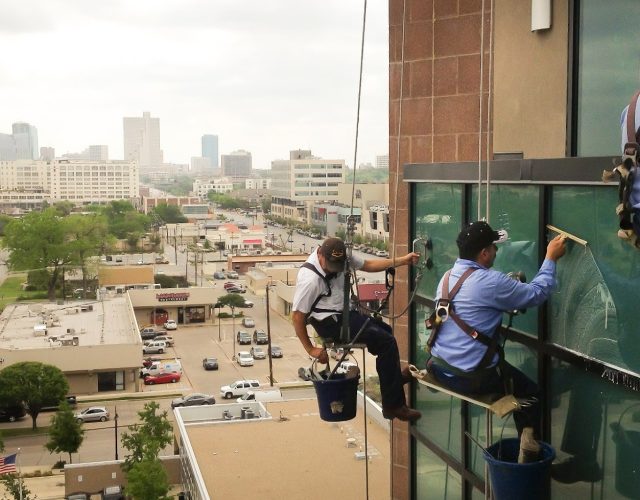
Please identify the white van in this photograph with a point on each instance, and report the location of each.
(238, 388)
(162, 366)
(274, 395)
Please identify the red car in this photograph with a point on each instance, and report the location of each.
(231, 284)
(163, 378)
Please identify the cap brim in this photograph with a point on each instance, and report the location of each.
(502, 236)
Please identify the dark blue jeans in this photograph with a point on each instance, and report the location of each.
(490, 382)
(379, 339)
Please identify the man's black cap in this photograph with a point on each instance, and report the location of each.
(479, 235)
(335, 253)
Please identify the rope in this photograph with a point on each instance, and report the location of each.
(491, 16)
(479, 210)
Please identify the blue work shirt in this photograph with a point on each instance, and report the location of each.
(480, 303)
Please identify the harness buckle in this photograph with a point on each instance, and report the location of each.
(442, 311)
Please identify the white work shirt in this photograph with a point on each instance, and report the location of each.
(310, 286)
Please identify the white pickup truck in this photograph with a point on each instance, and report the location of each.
(162, 366)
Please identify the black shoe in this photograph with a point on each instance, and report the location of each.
(573, 470)
(403, 413)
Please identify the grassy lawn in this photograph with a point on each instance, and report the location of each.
(11, 289)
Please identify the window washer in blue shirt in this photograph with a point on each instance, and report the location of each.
(470, 302)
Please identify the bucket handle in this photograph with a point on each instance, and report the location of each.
(625, 411)
(316, 374)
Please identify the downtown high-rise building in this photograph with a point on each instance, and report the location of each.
(237, 164)
(142, 140)
(210, 149)
(26, 137)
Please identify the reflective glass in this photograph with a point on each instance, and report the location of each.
(607, 72)
(437, 213)
(515, 209)
(440, 420)
(434, 478)
(596, 434)
(594, 308)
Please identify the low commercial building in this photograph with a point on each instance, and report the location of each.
(96, 344)
(119, 279)
(184, 305)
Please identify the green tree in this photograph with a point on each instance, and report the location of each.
(169, 213)
(66, 433)
(87, 235)
(231, 300)
(15, 487)
(39, 241)
(147, 439)
(33, 384)
(63, 208)
(124, 219)
(148, 480)
(4, 220)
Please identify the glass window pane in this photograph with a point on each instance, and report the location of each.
(594, 308)
(596, 434)
(422, 312)
(437, 216)
(434, 478)
(607, 72)
(514, 208)
(440, 420)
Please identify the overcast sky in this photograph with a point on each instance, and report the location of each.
(266, 76)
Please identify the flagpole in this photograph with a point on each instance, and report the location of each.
(19, 474)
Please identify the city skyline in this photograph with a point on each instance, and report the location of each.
(266, 78)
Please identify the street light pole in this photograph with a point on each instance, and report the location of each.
(115, 419)
(269, 337)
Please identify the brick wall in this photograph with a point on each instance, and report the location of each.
(439, 122)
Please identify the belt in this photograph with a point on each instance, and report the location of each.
(442, 364)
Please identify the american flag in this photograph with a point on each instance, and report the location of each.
(8, 464)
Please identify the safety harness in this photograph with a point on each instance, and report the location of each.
(327, 280)
(627, 173)
(443, 311)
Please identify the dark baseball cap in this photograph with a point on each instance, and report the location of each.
(335, 254)
(479, 235)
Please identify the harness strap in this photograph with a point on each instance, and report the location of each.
(327, 280)
(633, 135)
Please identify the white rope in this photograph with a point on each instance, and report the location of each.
(488, 203)
(479, 211)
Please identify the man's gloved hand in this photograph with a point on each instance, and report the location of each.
(320, 354)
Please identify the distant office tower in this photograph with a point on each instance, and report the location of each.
(237, 164)
(210, 149)
(26, 138)
(382, 161)
(7, 147)
(142, 140)
(47, 153)
(98, 152)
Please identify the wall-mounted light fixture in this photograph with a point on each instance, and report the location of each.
(540, 15)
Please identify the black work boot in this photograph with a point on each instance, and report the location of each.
(403, 413)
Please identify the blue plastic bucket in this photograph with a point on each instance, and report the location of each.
(337, 398)
(511, 480)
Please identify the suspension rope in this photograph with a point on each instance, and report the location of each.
(489, 128)
(479, 209)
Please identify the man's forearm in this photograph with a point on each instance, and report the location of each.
(300, 326)
(374, 266)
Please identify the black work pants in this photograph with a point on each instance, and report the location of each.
(379, 339)
(490, 381)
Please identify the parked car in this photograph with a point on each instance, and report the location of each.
(248, 322)
(244, 358)
(258, 353)
(232, 284)
(147, 362)
(93, 414)
(218, 275)
(243, 337)
(236, 290)
(247, 303)
(232, 275)
(238, 388)
(210, 363)
(276, 351)
(12, 413)
(155, 348)
(171, 324)
(337, 352)
(195, 399)
(167, 339)
(382, 253)
(260, 337)
(151, 332)
(163, 378)
(55, 405)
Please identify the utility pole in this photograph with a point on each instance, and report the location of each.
(115, 419)
(269, 336)
(175, 241)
